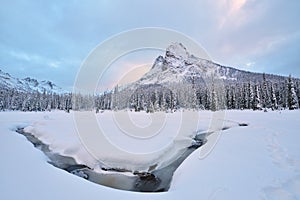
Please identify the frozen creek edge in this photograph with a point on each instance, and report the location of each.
(158, 180)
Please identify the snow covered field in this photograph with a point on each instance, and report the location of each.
(259, 161)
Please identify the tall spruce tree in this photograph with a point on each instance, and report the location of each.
(273, 98)
(292, 97)
(256, 100)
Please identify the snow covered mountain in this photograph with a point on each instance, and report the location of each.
(176, 80)
(181, 80)
(7, 82)
(178, 65)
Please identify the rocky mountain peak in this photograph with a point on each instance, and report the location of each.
(177, 51)
(48, 84)
(4, 75)
(32, 81)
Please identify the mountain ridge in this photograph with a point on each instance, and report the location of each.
(28, 84)
(177, 61)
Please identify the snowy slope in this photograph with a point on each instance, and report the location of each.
(261, 161)
(27, 84)
(178, 65)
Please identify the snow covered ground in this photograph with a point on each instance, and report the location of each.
(259, 161)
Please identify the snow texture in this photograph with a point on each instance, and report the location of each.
(259, 161)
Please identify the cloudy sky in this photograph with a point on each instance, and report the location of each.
(50, 39)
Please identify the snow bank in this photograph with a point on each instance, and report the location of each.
(260, 161)
(172, 133)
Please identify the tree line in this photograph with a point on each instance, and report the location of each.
(211, 95)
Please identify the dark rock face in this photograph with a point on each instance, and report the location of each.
(243, 124)
(146, 182)
(177, 51)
